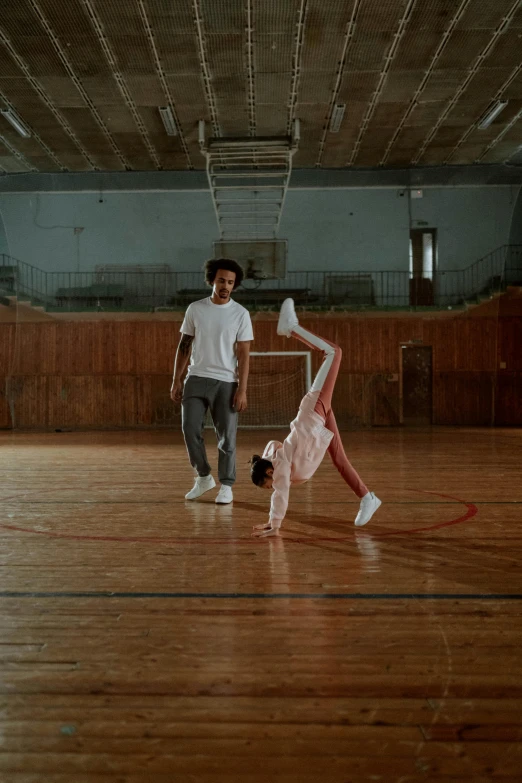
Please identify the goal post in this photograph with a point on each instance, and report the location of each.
(307, 361)
(277, 383)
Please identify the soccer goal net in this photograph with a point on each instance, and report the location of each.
(277, 383)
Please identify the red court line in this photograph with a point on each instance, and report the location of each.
(472, 511)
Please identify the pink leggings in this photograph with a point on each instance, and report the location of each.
(324, 408)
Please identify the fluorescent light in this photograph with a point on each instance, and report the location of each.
(201, 133)
(16, 122)
(491, 114)
(168, 120)
(337, 117)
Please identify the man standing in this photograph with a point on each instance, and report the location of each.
(216, 335)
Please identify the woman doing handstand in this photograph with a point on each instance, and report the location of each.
(313, 432)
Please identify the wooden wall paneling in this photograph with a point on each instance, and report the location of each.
(170, 339)
(466, 358)
(490, 339)
(153, 404)
(441, 392)
(100, 352)
(7, 346)
(351, 400)
(5, 416)
(462, 398)
(441, 336)
(385, 401)
(510, 343)
(7, 332)
(145, 359)
(411, 330)
(359, 347)
(508, 399)
(478, 398)
(373, 351)
(103, 347)
(391, 358)
(350, 338)
(49, 361)
(475, 343)
(144, 400)
(508, 390)
(265, 335)
(163, 412)
(155, 346)
(29, 349)
(462, 344)
(456, 343)
(67, 339)
(511, 303)
(91, 401)
(29, 393)
(114, 348)
(115, 400)
(74, 348)
(166, 342)
(70, 401)
(123, 358)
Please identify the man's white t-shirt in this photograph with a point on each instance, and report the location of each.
(216, 329)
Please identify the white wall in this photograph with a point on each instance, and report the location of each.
(327, 229)
(127, 228)
(346, 229)
(470, 222)
(4, 244)
(515, 237)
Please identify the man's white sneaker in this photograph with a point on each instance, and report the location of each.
(368, 507)
(225, 494)
(287, 318)
(202, 484)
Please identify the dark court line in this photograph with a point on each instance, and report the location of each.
(310, 596)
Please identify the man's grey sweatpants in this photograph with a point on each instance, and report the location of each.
(200, 395)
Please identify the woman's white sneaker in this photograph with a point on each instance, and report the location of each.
(225, 494)
(287, 318)
(202, 484)
(369, 505)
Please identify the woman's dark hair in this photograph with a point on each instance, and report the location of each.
(212, 266)
(258, 469)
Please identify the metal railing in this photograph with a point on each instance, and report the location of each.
(486, 276)
(20, 279)
(325, 289)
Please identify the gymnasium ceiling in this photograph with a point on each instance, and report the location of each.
(416, 76)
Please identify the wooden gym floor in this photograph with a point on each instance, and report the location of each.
(144, 638)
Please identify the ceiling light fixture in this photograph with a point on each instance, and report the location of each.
(491, 114)
(16, 122)
(337, 117)
(201, 133)
(168, 120)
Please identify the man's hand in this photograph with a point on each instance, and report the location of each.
(240, 401)
(176, 391)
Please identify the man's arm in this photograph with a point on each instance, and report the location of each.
(180, 365)
(243, 366)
